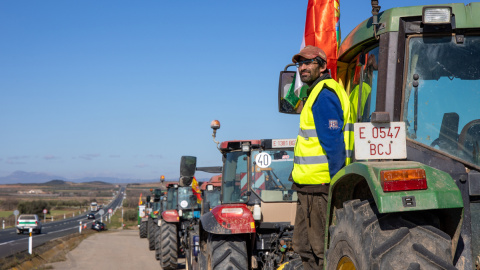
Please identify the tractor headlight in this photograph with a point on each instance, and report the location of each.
(437, 15)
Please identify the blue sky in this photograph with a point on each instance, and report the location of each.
(125, 88)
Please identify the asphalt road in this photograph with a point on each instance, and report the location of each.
(11, 243)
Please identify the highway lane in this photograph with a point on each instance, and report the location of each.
(11, 243)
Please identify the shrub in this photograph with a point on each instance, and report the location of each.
(33, 207)
(130, 215)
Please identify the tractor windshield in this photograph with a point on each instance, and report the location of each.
(186, 199)
(234, 186)
(171, 199)
(272, 169)
(442, 92)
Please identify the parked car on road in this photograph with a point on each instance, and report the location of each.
(99, 226)
(91, 216)
(25, 222)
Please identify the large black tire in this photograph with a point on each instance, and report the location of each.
(151, 234)
(168, 246)
(361, 238)
(226, 252)
(202, 258)
(143, 229)
(158, 239)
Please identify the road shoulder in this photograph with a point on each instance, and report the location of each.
(122, 249)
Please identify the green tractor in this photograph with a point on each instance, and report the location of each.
(155, 205)
(142, 229)
(411, 199)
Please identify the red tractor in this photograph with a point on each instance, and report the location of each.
(252, 228)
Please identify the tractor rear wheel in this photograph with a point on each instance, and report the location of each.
(362, 238)
(152, 229)
(158, 240)
(168, 246)
(151, 234)
(143, 229)
(226, 252)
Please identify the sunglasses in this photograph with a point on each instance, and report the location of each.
(305, 62)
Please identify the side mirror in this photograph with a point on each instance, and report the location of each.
(188, 164)
(289, 100)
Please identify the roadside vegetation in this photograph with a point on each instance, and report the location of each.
(61, 199)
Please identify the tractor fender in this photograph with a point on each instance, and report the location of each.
(360, 178)
(228, 219)
(170, 216)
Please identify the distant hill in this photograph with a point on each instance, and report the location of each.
(22, 177)
(28, 177)
(56, 183)
(97, 183)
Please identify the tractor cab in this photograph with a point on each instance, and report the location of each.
(172, 196)
(211, 193)
(257, 171)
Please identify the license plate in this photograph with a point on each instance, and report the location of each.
(283, 143)
(380, 141)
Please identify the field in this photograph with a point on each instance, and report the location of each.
(65, 199)
(5, 214)
(61, 199)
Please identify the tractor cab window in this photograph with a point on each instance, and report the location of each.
(171, 199)
(363, 75)
(156, 206)
(441, 94)
(235, 178)
(212, 197)
(271, 170)
(186, 199)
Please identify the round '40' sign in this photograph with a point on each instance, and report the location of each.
(263, 160)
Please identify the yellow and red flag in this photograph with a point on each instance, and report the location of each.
(196, 190)
(140, 199)
(322, 29)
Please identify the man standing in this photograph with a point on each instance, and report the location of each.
(324, 145)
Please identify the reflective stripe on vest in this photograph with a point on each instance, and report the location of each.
(310, 162)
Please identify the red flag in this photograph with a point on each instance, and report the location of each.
(140, 199)
(196, 190)
(322, 29)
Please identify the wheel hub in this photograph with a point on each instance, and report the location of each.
(345, 263)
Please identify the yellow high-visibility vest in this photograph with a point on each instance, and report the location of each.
(310, 163)
(366, 90)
